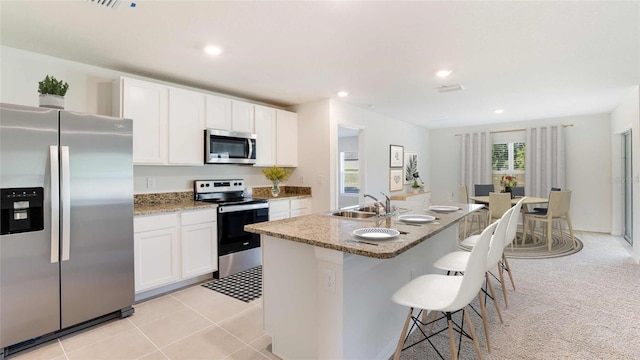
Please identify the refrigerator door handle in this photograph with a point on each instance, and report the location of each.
(55, 204)
(65, 194)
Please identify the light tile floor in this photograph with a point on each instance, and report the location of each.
(194, 323)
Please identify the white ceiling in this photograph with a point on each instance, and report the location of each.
(533, 59)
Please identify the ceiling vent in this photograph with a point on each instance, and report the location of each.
(449, 88)
(112, 4)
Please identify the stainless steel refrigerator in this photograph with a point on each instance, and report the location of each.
(66, 241)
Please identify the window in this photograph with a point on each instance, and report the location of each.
(349, 174)
(508, 158)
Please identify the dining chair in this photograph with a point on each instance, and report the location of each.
(517, 191)
(482, 189)
(499, 203)
(455, 262)
(509, 238)
(478, 216)
(558, 210)
(544, 209)
(446, 294)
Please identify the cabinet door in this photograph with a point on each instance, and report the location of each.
(265, 127)
(218, 113)
(157, 260)
(241, 116)
(287, 138)
(300, 207)
(279, 209)
(186, 127)
(199, 249)
(147, 105)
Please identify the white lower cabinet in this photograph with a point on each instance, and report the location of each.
(279, 209)
(174, 247)
(157, 251)
(199, 243)
(300, 207)
(286, 208)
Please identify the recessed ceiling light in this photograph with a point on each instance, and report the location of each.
(443, 73)
(498, 111)
(343, 94)
(213, 50)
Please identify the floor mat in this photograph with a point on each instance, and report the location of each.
(245, 285)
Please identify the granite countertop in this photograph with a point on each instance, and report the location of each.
(286, 192)
(336, 233)
(150, 209)
(149, 204)
(281, 197)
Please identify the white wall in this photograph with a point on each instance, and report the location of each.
(588, 161)
(626, 117)
(378, 133)
(90, 91)
(314, 151)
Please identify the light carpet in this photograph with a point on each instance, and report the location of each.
(583, 306)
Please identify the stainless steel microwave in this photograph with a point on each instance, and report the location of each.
(229, 147)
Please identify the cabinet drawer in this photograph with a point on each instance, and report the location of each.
(297, 204)
(278, 206)
(154, 222)
(198, 216)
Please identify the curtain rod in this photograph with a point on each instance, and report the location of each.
(514, 130)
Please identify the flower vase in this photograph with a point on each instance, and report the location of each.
(508, 189)
(275, 189)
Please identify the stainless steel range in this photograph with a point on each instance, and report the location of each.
(238, 250)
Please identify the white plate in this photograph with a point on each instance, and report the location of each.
(416, 218)
(376, 233)
(443, 208)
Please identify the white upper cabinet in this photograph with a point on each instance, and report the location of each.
(265, 129)
(241, 116)
(186, 127)
(286, 138)
(218, 113)
(169, 124)
(147, 104)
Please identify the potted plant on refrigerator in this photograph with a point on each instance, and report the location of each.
(52, 92)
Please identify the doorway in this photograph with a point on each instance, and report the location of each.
(627, 190)
(349, 162)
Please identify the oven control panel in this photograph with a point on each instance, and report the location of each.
(209, 186)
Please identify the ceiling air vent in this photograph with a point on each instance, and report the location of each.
(449, 88)
(105, 3)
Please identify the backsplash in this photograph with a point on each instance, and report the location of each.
(265, 192)
(159, 198)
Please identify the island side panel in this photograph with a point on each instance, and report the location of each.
(372, 322)
(289, 274)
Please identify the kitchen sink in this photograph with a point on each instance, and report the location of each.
(354, 214)
(367, 208)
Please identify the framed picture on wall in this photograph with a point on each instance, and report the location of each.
(396, 156)
(410, 167)
(395, 179)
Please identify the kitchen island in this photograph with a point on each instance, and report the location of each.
(326, 296)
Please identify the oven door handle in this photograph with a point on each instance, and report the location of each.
(235, 208)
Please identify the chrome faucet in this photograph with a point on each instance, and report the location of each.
(377, 203)
(387, 203)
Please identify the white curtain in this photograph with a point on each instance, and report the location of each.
(476, 160)
(544, 160)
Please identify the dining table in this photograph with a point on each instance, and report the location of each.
(528, 200)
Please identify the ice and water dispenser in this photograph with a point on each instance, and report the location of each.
(21, 210)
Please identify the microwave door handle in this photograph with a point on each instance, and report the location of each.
(250, 149)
